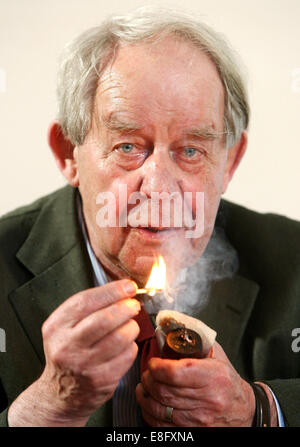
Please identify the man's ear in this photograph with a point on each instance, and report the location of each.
(234, 157)
(63, 151)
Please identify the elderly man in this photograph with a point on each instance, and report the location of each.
(154, 101)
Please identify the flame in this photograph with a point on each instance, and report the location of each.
(158, 276)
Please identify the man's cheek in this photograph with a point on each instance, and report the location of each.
(125, 200)
(194, 214)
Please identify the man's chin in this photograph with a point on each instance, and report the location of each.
(140, 265)
(141, 268)
(138, 254)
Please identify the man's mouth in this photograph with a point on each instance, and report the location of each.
(155, 234)
(154, 230)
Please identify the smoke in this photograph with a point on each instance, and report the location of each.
(190, 290)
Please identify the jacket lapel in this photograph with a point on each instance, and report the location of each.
(229, 309)
(55, 253)
(38, 298)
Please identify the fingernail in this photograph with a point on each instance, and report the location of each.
(134, 305)
(130, 288)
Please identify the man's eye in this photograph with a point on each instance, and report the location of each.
(190, 152)
(126, 148)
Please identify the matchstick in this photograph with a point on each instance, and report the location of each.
(140, 291)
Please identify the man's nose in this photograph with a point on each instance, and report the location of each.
(159, 174)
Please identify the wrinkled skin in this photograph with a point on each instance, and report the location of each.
(146, 115)
(89, 345)
(204, 393)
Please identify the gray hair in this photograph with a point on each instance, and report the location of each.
(85, 59)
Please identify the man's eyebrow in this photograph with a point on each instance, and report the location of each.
(116, 123)
(204, 132)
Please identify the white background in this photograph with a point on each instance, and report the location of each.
(266, 33)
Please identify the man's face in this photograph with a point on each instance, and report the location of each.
(156, 111)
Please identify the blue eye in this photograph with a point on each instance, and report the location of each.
(126, 148)
(189, 152)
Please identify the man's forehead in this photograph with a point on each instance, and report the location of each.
(118, 111)
(131, 93)
(169, 58)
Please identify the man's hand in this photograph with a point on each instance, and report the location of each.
(89, 345)
(202, 392)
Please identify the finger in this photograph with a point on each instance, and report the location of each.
(156, 411)
(112, 371)
(152, 422)
(114, 343)
(188, 373)
(153, 412)
(78, 306)
(102, 322)
(174, 396)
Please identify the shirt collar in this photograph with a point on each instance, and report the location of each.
(100, 277)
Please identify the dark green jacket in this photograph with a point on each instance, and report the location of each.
(43, 261)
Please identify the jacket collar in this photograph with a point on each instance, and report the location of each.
(60, 265)
(43, 247)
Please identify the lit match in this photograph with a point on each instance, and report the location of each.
(157, 279)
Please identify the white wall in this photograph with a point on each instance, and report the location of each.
(265, 32)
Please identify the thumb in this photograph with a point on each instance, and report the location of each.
(217, 352)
